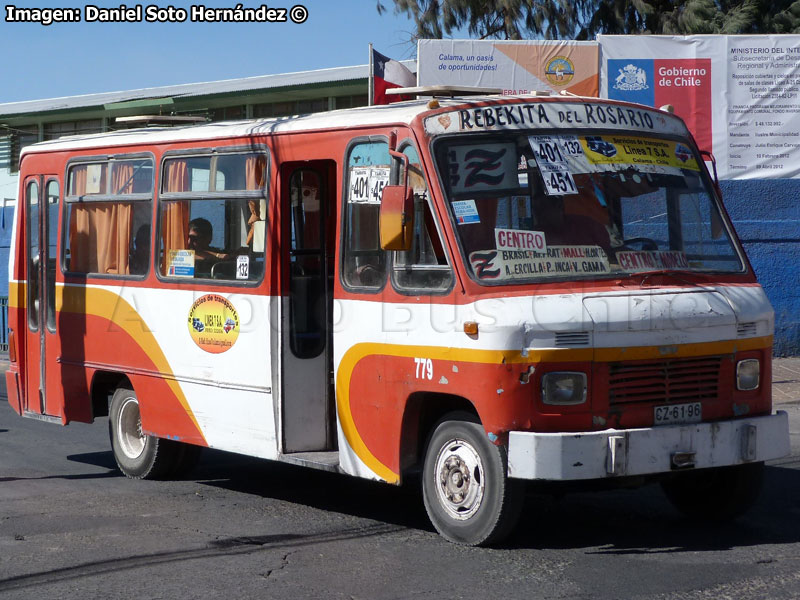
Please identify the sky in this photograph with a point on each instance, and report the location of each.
(69, 59)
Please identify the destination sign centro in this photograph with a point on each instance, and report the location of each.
(512, 239)
(558, 115)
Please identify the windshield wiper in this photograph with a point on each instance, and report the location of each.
(676, 273)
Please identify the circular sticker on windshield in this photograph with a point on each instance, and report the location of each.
(213, 323)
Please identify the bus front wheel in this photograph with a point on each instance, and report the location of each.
(467, 494)
(138, 455)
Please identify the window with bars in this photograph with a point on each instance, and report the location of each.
(228, 113)
(54, 131)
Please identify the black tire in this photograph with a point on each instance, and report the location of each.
(715, 495)
(467, 494)
(138, 456)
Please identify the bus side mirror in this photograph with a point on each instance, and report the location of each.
(396, 217)
(708, 157)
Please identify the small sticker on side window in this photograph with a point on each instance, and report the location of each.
(465, 212)
(180, 263)
(243, 267)
(366, 184)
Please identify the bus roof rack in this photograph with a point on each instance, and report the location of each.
(444, 90)
(147, 120)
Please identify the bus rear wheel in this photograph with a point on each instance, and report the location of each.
(138, 455)
(467, 494)
(717, 494)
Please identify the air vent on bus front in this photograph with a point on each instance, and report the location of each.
(746, 329)
(680, 380)
(572, 338)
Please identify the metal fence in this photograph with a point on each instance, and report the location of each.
(3, 324)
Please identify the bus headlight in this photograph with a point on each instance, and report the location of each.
(564, 387)
(748, 374)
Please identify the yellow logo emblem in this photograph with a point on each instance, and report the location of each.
(213, 323)
(559, 70)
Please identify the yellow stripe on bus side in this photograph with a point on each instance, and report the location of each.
(112, 307)
(360, 351)
(352, 357)
(16, 294)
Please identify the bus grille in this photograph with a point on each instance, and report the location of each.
(680, 380)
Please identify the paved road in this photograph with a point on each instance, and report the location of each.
(72, 527)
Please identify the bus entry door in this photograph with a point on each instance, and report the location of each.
(307, 398)
(41, 231)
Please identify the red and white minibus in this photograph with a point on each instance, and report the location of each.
(487, 289)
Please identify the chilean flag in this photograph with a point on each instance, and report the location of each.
(388, 74)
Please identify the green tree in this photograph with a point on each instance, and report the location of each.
(657, 16)
(761, 16)
(503, 19)
(583, 19)
(682, 17)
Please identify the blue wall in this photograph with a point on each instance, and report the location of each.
(766, 214)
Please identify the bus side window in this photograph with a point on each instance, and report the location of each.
(33, 274)
(213, 213)
(51, 199)
(424, 266)
(107, 203)
(364, 262)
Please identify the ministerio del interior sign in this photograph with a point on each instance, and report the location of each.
(739, 94)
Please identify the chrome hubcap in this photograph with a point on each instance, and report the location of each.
(129, 429)
(459, 479)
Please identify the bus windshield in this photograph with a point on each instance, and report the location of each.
(528, 206)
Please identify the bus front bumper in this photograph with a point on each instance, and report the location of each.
(647, 451)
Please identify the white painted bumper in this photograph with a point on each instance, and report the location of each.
(620, 452)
